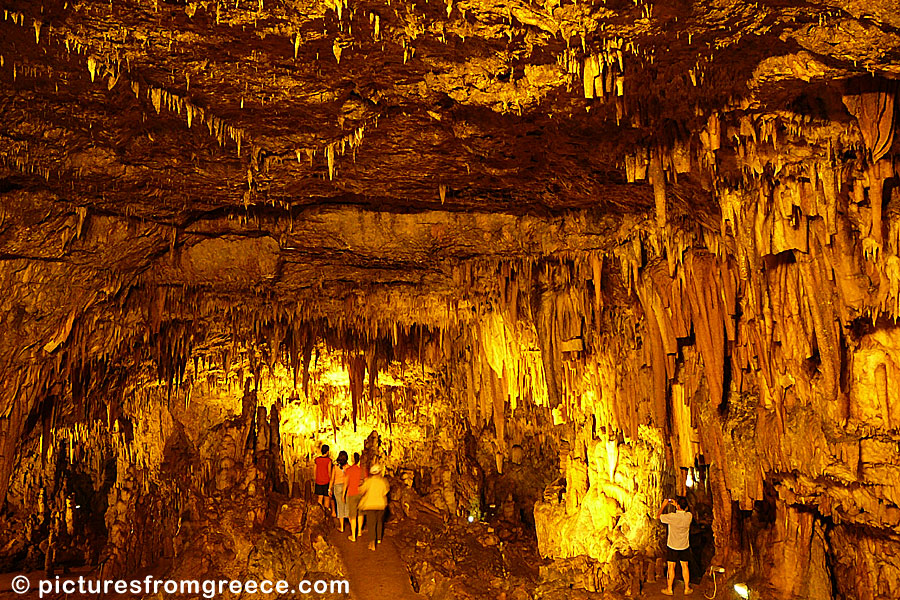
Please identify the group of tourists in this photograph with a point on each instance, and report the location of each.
(359, 496)
(350, 492)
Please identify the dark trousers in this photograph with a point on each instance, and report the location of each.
(375, 521)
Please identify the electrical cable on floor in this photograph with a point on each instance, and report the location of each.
(715, 586)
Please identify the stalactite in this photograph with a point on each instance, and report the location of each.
(471, 391)
(876, 175)
(591, 72)
(658, 180)
(872, 103)
(498, 408)
(708, 322)
(307, 340)
(658, 369)
(356, 365)
(824, 323)
(373, 373)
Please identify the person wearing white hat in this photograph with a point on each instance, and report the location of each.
(373, 503)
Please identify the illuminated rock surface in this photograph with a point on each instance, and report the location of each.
(562, 257)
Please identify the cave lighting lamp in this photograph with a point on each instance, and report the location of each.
(742, 590)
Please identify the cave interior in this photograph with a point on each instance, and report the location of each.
(548, 263)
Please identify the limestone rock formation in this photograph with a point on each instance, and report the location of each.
(547, 262)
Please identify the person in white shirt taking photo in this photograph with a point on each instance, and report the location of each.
(678, 542)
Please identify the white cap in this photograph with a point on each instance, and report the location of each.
(375, 470)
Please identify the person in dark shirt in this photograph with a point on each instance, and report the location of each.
(323, 477)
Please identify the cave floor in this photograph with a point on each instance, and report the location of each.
(654, 592)
(385, 574)
(373, 575)
(382, 574)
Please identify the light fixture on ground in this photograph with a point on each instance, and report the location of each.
(742, 590)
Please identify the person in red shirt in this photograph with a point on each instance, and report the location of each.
(352, 477)
(323, 478)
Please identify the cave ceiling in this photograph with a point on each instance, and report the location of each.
(375, 143)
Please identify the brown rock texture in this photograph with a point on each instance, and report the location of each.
(547, 261)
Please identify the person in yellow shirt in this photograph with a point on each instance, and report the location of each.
(374, 491)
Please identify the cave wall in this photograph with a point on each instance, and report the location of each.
(763, 349)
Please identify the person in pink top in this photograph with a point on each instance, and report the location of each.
(336, 487)
(323, 476)
(352, 478)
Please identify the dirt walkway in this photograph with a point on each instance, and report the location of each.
(378, 575)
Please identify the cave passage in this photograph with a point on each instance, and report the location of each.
(546, 266)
